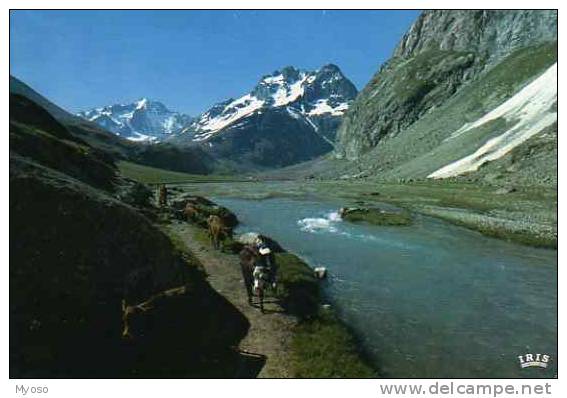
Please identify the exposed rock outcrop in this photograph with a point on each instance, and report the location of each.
(442, 51)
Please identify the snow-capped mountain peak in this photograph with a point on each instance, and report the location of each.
(281, 88)
(312, 102)
(322, 93)
(141, 120)
(142, 103)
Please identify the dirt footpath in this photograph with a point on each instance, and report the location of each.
(270, 334)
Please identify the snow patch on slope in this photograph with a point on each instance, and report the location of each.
(237, 109)
(322, 107)
(285, 95)
(294, 113)
(531, 108)
(139, 137)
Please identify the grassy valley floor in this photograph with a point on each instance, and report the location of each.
(525, 215)
(522, 214)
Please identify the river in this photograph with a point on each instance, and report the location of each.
(427, 300)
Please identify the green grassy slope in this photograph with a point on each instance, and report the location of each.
(420, 149)
(155, 175)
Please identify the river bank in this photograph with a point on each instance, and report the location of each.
(523, 215)
(299, 335)
(414, 293)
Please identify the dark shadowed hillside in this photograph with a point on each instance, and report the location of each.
(82, 240)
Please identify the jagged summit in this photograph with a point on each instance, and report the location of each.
(290, 115)
(141, 120)
(311, 94)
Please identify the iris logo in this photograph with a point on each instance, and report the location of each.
(534, 360)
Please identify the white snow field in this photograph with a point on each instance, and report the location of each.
(530, 109)
(237, 109)
(284, 95)
(322, 106)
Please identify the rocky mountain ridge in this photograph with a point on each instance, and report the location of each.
(310, 95)
(290, 116)
(142, 120)
(441, 52)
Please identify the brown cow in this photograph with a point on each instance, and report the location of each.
(248, 257)
(162, 195)
(218, 231)
(191, 212)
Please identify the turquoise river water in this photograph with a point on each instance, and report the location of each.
(428, 300)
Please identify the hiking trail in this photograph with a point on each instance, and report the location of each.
(270, 333)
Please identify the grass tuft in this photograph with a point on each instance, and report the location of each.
(299, 289)
(324, 348)
(379, 217)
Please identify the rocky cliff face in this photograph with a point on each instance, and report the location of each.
(441, 53)
(491, 34)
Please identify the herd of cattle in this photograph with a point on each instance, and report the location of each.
(219, 223)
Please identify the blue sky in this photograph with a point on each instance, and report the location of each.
(189, 60)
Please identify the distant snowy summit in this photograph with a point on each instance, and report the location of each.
(290, 116)
(307, 95)
(142, 120)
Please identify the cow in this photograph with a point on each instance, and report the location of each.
(258, 271)
(190, 212)
(162, 195)
(248, 257)
(218, 231)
